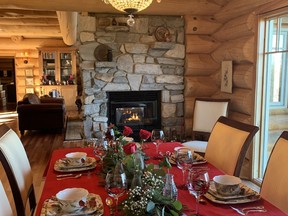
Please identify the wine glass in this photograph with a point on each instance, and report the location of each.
(184, 161)
(116, 183)
(100, 149)
(157, 137)
(198, 184)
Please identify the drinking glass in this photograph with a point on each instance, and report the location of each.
(198, 184)
(157, 137)
(100, 149)
(116, 183)
(184, 161)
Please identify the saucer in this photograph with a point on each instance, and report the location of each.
(63, 165)
(94, 206)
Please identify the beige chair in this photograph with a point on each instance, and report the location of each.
(274, 185)
(4, 203)
(206, 113)
(17, 167)
(228, 144)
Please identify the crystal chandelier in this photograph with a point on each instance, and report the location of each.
(130, 7)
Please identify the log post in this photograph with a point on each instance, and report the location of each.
(68, 26)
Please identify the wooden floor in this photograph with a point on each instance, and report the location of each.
(39, 145)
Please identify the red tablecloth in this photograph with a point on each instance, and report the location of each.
(52, 186)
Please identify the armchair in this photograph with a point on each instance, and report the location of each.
(36, 113)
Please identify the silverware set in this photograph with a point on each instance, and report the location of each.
(246, 210)
(68, 176)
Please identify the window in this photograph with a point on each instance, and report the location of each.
(272, 91)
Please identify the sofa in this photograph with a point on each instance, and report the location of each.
(43, 113)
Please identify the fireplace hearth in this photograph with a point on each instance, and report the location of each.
(136, 109)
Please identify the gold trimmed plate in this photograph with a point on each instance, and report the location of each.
(197, 159)
(245, 196)
(63, 165)
(94, 206)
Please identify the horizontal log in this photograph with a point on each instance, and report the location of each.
(239, 50)
(200, 64)
(242, 76)
(237, 28)
(241, 117)
(39, 31)
(203, 44)
(238, 8)
(201, 25)
(30, 21)
(14, 13)
(241, 100)
(26, 62)
(8, 44)
(199, 86)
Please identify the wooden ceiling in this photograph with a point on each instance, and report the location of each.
(38, 19)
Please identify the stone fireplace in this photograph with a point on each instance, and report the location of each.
(140, 63)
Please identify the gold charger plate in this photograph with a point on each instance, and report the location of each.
(245, 196)
(94, 206)
(62, 165)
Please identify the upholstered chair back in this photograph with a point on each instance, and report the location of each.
(228, 144)
(17, 167)
(274, 185)
(4, 203)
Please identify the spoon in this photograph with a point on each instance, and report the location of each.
(71, 177)
(109, 203)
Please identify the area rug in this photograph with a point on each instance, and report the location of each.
(73, 129)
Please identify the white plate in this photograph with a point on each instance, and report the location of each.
(247, 195)
(197, 159)
(52, 207)
(62, 165)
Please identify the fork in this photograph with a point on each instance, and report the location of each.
(246, 210)
(70, 177)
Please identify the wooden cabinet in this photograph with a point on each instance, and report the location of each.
(58, 72)
(58, 66)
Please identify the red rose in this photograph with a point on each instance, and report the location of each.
(130, 148)
(144, 134)
(127, 131)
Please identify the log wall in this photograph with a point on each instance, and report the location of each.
(211, 40)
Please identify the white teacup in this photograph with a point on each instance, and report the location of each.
(76, 158)
(72, 199)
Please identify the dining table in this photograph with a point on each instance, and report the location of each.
(93, 182)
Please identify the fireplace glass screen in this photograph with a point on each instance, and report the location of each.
(129, 115)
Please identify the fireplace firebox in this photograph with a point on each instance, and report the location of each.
(136, 109)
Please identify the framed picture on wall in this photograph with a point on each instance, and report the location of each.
(29, 72)
(29, 90)
(226, 76)
(29, 81)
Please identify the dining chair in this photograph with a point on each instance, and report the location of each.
(206, 113)
(274, 185)
(4, 202)
(228, 144)
(18, 170)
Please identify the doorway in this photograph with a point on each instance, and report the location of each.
(7, 84)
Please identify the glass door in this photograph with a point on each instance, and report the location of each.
(66, 75)
(49, 68)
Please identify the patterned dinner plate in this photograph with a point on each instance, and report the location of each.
(197, 159)
(63, 165)
(94, 206)
(245, 196)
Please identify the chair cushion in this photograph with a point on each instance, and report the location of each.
(31, 99)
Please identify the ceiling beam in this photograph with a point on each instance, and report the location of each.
(68, 26)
